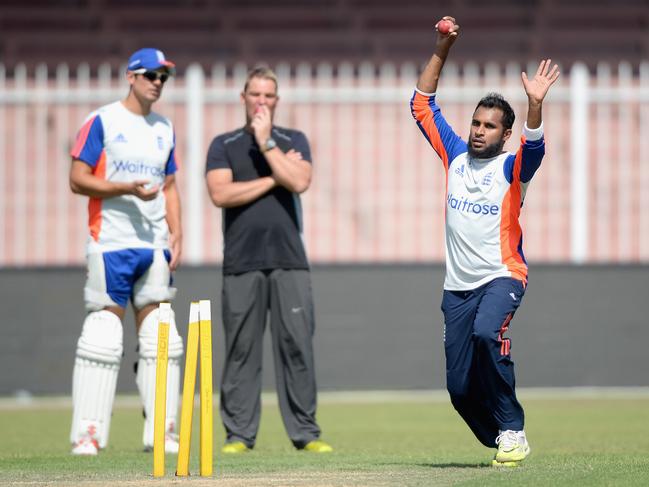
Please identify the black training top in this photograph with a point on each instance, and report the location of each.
(266, 233)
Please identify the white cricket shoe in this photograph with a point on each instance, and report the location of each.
(85, 446)
(513, 448)
(171, 444)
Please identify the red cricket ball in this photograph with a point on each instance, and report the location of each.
(444, 26)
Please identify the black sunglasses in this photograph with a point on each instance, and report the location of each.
(155, 75)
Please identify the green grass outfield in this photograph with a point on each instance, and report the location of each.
(381, 439)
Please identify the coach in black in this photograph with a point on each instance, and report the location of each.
(256, 174)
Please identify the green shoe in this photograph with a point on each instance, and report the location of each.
(235, 447)
(512, 447)
(496, 463)
(318, 446)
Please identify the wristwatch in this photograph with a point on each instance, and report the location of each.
(270, 144)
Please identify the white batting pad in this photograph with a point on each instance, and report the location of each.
(146, 373)
(94, 379)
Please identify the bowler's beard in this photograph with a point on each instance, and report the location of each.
(487, 152)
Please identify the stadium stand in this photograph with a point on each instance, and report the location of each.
(230, 31)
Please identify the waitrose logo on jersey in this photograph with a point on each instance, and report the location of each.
(139, 168)
(464, 205)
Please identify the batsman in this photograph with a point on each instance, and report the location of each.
(124, 161)
(486, 271)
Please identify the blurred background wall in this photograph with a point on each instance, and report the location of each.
(377, 327)
(374, 213)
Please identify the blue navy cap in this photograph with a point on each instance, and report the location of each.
(149, 58)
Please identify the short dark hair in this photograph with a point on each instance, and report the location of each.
(496, 100)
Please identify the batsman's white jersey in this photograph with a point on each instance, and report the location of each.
(122, 146)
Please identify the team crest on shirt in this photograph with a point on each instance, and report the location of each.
(160, 143)
(487, 179)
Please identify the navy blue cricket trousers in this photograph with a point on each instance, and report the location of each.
(479, 368)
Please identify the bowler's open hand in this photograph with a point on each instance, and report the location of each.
(537, 87)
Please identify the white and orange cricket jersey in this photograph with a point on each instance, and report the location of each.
(483, 201)
(122, 146)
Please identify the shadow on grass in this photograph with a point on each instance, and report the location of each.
(455, 465)
(445, 465)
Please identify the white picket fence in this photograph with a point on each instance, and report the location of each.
(377, 193)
